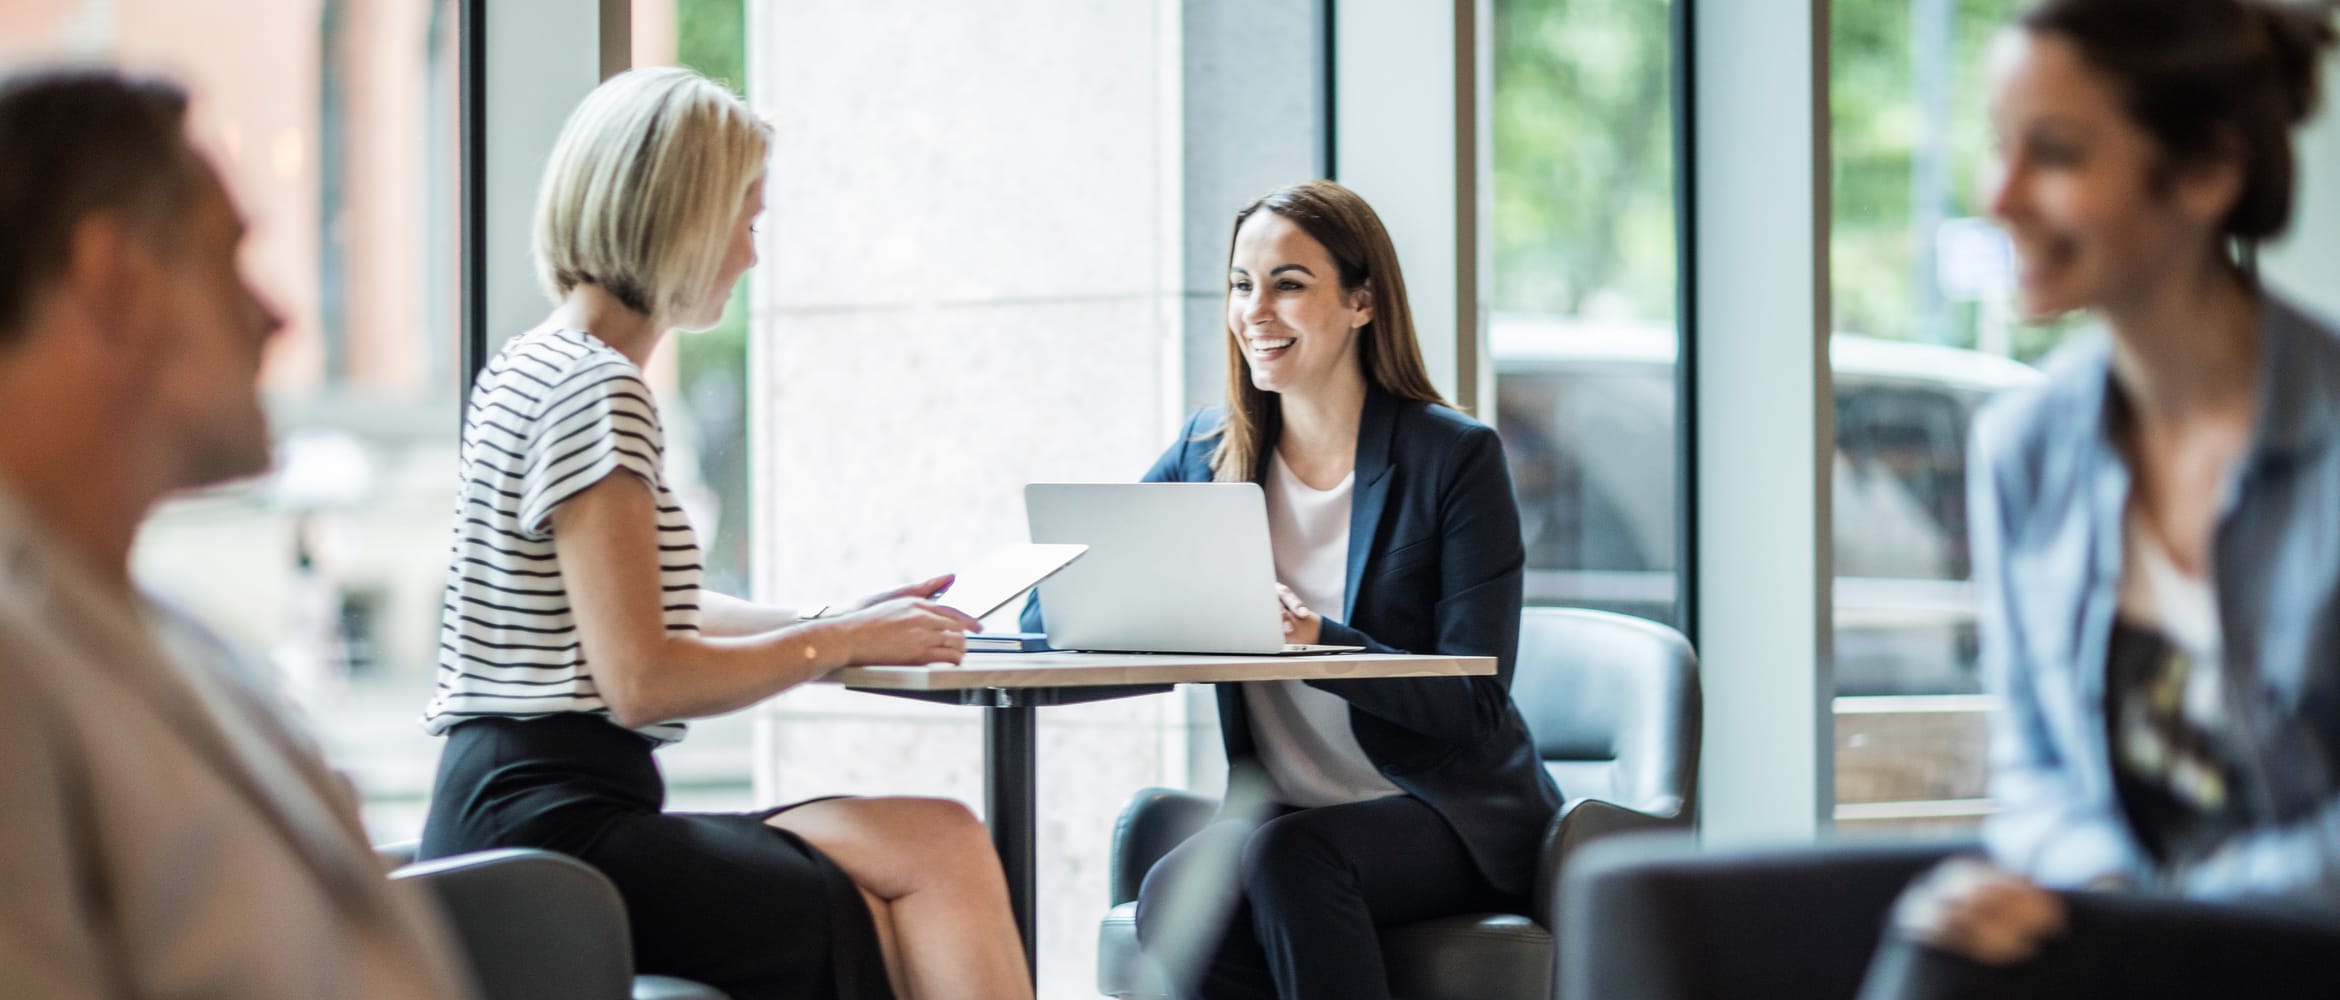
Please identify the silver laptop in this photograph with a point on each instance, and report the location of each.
(1171, 568)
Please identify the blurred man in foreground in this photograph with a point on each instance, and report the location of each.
(163, 832)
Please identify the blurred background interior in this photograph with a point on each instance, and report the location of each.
(971, 250)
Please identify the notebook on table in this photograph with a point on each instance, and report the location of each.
(1007, 642)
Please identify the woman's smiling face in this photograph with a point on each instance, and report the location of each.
(2098, 214)
(1294, 324)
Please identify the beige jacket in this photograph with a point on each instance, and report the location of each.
(142, 855)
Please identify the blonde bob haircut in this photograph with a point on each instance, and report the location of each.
(643, 188)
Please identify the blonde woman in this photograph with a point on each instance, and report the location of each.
(577, 637)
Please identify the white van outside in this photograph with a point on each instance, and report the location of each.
(1587, 414)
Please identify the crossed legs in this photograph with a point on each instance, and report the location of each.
(933, 884)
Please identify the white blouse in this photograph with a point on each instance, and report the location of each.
(1302, 733)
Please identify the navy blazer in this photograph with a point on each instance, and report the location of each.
(1435, 566)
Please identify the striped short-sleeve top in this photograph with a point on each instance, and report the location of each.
(554, 413)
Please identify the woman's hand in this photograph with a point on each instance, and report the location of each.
(923, 588)
(1300, 624)
(907, 631)
(1974, 909)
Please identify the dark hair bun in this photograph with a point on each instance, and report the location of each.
(2298, 34)
(2203, 76)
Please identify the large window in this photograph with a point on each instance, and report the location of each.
(1582, 334)
(701, 379)
(710, 370)
(1925, 333)
(339, 148)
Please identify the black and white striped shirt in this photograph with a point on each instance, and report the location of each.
(554, 413)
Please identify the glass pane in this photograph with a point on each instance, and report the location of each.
(1582, 332)
(1925, 334)
(700, 380)
(340, 149)
(711, 366)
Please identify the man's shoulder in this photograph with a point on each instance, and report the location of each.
(51, 713)
(33, 660)
(195, 645)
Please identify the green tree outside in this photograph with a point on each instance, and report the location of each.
(711, 37)
(1584, 174)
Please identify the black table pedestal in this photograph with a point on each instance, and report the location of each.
(1011, 781)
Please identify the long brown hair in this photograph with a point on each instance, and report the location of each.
(1387, 350)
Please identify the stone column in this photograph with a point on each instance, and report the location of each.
(993, 256)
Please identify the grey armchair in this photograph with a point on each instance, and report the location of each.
(1613, 703)
(1656, 918)
(536, 925)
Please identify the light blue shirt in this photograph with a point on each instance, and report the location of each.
(2046, 495)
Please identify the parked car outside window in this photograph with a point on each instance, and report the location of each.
(1587, 415)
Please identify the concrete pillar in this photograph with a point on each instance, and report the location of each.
(1408, 136)
(993, 255)
(1759, 219)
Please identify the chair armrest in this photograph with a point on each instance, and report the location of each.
(1584, 821)
(533, 923)
(1654, 917)
(1156, 820)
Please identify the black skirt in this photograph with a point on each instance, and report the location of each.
(719, 898)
